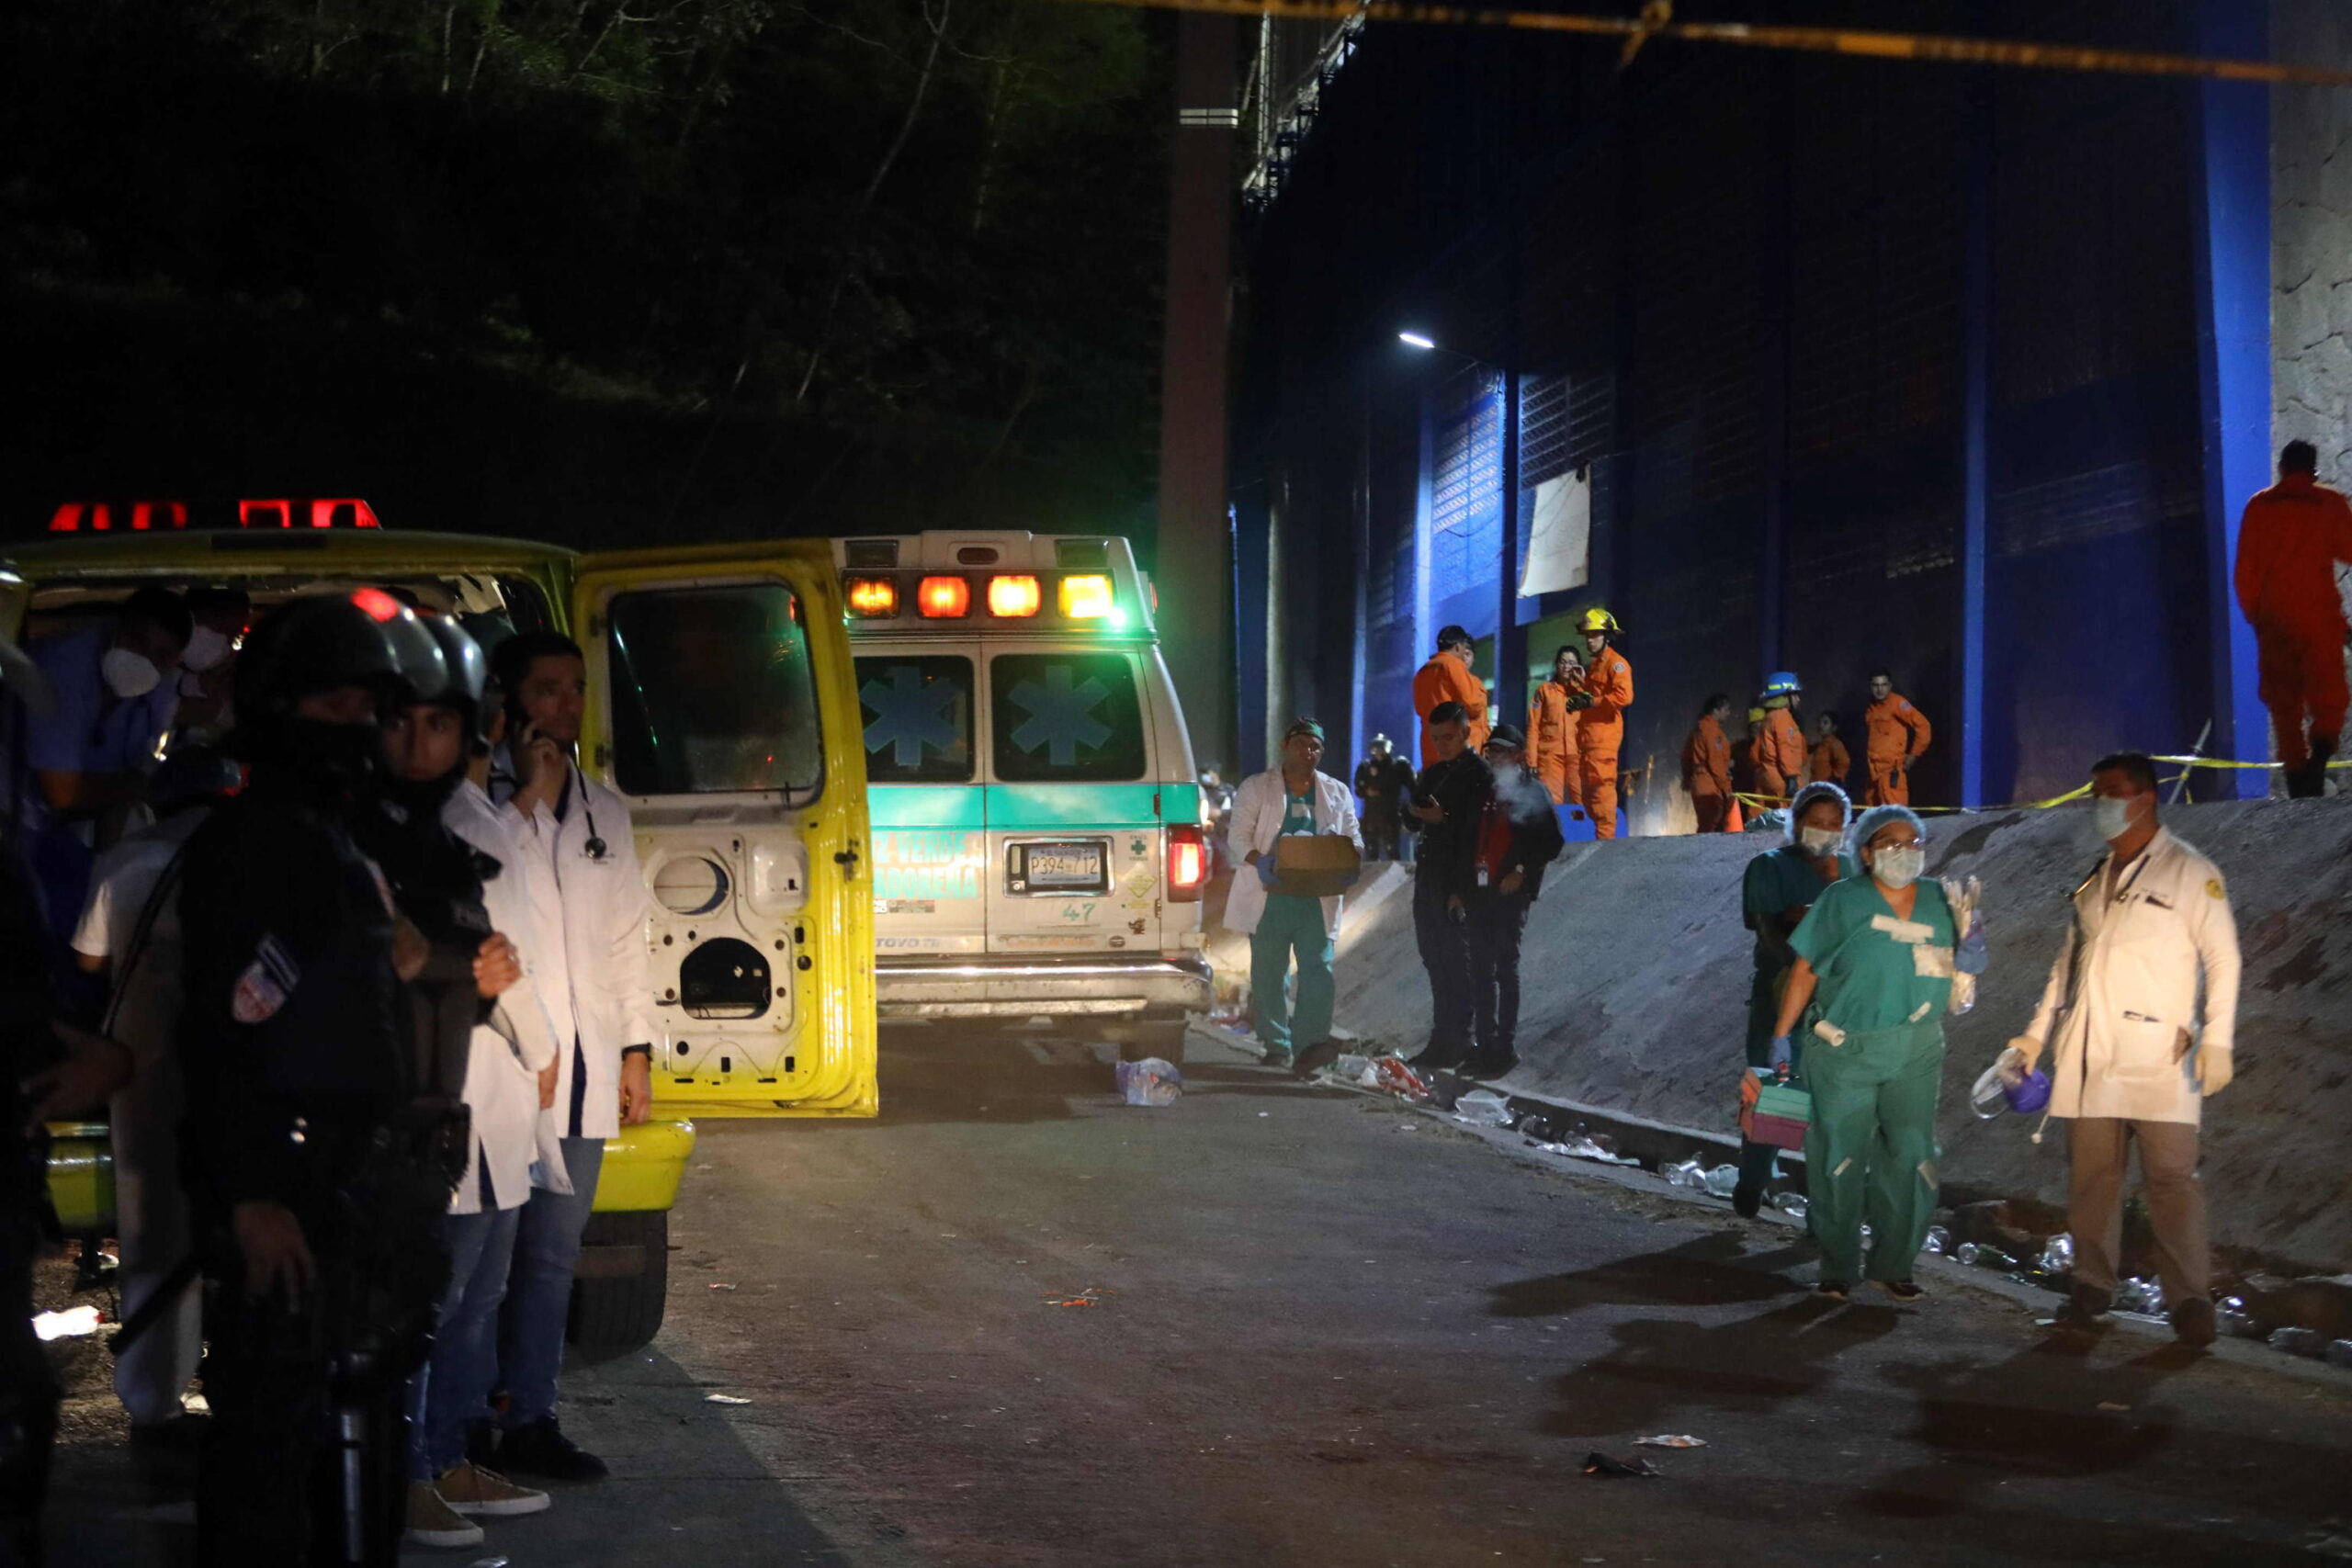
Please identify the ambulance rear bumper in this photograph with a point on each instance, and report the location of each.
(1145, 985)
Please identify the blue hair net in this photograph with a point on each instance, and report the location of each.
(1878, 817)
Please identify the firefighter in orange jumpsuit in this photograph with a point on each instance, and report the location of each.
(1898, 736)
(1779, 750)
(1552, 731)
(1602, 697)
(2288, 542)
(1446, 678)
(1828, 761)
(1706, 765)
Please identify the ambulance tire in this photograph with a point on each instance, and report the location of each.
(613, 1314)
(1163, 1038)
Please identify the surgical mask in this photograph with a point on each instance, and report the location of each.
(1820, 842)
(206, 649)
(1899, 868)
(129, 674)
(2111, 817)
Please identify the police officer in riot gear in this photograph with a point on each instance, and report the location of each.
(318, 1156)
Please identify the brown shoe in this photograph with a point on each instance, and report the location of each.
(470, 1489)
(432, 1522)
(2192, 1322)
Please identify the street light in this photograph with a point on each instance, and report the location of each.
(1417, 340)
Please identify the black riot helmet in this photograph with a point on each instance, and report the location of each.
(464, 673)
(364, 637)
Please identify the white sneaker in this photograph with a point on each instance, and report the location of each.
(432, 1522)
(470, 1489)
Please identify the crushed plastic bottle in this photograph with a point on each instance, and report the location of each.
(1791, 1203)
(1150, 1082)
(1690, 1174)
(2339, 1352)
(2145, 1297)
(2230, 1315)
(2057, 1254)
(1723, 1179)
(1977, 1255)
(2299, 1341)
(1539, 1128)
(1939, 1240)
(1349, 1067)
(1482, 1108)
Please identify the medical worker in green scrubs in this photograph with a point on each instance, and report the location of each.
(1780, 887)
(1875, 958)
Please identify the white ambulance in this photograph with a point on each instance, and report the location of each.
(1039, 850)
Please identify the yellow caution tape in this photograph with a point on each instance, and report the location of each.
(1774, 802)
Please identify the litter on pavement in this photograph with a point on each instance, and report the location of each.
(1670, 1440)
(1151, 1081)
(1607, 1469)
(724, 1399)
(71, 1323)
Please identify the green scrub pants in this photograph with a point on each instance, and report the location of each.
(1759, 1164)
(1870, 1153)
(1291, 927)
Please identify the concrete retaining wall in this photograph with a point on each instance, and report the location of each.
(1636, 970)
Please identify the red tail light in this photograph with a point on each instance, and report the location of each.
(1188, 863)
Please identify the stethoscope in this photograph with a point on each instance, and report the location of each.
(595, 848)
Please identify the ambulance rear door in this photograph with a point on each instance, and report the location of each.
(1073, 801)
(723, 708)
(919, 701)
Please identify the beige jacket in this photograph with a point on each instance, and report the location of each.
(2148, 978)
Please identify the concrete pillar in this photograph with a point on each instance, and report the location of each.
(1193, 573)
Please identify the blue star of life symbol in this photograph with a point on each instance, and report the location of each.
(907, 718)
(1061, 717)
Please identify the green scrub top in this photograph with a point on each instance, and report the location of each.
(1298, 813)
(1778, 881)
(1877, 972)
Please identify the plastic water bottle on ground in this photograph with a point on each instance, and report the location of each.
(1791, 1203)
(1688, 1174)
(1723, 1179)
(2299, 1341)
(2144, 1296)
(2057, 1254)
(1350, 1067)
(2230, 1315)
(1150, 1082)
(1939, 1240)
(2339, 1352)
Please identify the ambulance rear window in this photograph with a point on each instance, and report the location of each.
(918, 716)
(712, 693)
(1065, 717)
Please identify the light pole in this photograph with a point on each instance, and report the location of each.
(1510, 695)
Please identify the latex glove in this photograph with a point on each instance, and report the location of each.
(1267, 875)
(2026, 1045)
(1782, 1053)
(1972, 956)
(2214, 1071)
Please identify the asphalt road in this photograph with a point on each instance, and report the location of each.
(1015, 1322)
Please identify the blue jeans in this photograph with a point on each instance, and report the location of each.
(539, 1290)
(452, 1389)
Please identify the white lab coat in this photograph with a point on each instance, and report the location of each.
(1257, 822)
(2122, 1015)
(604, 907)
(503, 1066)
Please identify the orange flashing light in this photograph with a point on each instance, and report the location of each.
(1086, 598)
(1014, 598)
(944, 598)
(379, 605)
(870, 597)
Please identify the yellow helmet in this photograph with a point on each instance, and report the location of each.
(1598, 620)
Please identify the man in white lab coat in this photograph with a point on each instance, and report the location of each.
(1293, 797)
(603, 1081)
(2137, 1021)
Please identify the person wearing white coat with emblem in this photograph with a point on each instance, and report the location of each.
(1291, 797)
(2138, 1023)
(603, 1080)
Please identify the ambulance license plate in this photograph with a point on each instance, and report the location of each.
(1059, 868)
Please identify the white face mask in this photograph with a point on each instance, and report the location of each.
(1899, 869)
(1819, 842)
(129, 674)
(207, 650)
(2112, 818)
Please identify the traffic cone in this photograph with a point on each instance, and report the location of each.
(1733, 821)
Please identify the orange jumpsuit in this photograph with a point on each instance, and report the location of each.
(1706, 773)
(1828, 762)
(1779, 755)
(1898, 731)
(1551, 743)
(2288, 542)
(1446, 678)
(1601, 730)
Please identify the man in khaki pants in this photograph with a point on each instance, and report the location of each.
(2131, 1055)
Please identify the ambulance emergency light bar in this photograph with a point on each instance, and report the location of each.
(164, 516)
(1004, 596)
